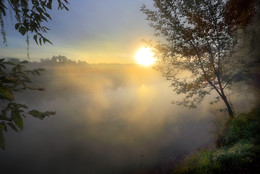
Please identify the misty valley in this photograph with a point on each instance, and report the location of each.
(110, 118)
(130, 87)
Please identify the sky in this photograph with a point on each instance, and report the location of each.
(103, 31)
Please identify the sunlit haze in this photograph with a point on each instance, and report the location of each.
(145, 57)
(128, 87)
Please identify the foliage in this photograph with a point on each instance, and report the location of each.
(15, 78)
(238, 13)
(234, 159)
(245, 126)
(198, 162)
(197, 42)
(30, 17)
(244, 16)
(237, 154)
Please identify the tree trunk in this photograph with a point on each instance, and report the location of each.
(229, 108)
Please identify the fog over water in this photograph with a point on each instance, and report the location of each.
(109, 119)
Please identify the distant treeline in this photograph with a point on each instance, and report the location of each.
(50, 61)
(60, 60)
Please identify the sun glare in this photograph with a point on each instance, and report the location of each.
(145, 56)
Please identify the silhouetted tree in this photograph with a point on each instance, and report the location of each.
(197, 41)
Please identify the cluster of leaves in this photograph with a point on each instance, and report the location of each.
(238, 148)
(30, 16)
(15, 78)
(238, 13)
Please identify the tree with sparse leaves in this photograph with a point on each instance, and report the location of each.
(196, 41)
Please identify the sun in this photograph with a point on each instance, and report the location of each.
(145, 56)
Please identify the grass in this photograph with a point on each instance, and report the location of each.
(237, 149)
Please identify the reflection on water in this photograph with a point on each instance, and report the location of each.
(110, 119)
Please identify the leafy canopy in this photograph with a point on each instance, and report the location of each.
(196, 41)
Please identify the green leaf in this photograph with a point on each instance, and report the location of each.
(22, 30)
(2, 8)
(35, 38)
(46, 40)
(40, 115)
(40, 41)
(44, 18)
(3, 124)
(46, 14)
(17, 25)
(17, 118)
(41, 69)
(66, 8)
(36, 72)
(2, 138)
(26, 79)
(39, 10)
(10, 63)
(34, 88)
(49, 4)
(11, 125)
(25, 61)
(3, 67)
(3, 117)
(6, 93)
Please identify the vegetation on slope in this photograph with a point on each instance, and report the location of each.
(237, 149)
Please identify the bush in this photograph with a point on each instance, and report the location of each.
(238, 158)
(241, 157)
(238, 149)
(199, 162)
(244, 126)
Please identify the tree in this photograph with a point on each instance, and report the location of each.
(30, 16)
(239, 13)
(14, 77)
(198, 42)
(244, 16)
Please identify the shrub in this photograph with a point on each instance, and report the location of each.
(238, 149)
(244, 126)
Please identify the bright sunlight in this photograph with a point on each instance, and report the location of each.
(144, 56)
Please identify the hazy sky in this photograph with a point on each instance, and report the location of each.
(103, 31)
